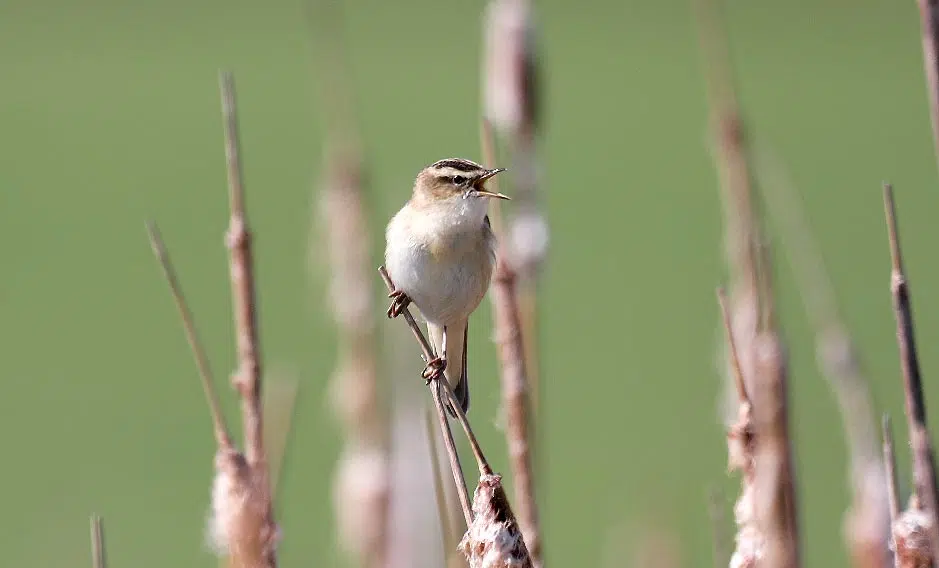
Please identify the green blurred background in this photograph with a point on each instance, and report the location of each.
(109, 114)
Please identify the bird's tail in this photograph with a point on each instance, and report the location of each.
(456, 360)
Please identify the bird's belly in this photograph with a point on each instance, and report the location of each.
(443, 289)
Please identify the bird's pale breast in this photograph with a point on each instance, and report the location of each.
(446, 273)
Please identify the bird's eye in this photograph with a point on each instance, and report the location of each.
(458, 180)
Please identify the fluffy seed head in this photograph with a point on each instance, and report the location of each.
(240, 525)
(494, 540)
(911, 538)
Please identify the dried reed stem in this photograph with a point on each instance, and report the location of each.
(515, 396)
(452, 453)
(436, 385)
(363, 488)
(247, 377)
(260, 549)
(98, 553)
(448, 533)
(890, 469)
(280, 406)
(222, 437)
(481, 462)
(766, 511)
(739, 382)
(929, 18)
(511, 332)
(510, 90)
(363, 481)
(240, 526)
(750, 540)
(866, 523)
(890, 473)
(924, 469)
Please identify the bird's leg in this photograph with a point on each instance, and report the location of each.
(399, 302)
(436, 366)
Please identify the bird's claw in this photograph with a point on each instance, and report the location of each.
(434, 369)
(399, 302)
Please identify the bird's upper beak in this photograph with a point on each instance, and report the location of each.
(479, 185)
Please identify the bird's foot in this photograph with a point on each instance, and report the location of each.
(434, 369)
(399, 302)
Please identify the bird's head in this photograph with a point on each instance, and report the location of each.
(455, 180)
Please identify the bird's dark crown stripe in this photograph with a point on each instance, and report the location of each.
(459, 165)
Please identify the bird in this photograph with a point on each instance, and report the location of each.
(440, 253)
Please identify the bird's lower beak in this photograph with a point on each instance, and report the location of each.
(480, 189)
(484, 193)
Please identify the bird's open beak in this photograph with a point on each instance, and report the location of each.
(480, 189)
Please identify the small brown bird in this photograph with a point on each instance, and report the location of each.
(440, 254)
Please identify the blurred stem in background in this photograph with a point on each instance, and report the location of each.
(929, 18)
(867, 522)
(510, 103)
(759, 443)
(363, 480)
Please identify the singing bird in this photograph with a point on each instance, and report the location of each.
(440, 253)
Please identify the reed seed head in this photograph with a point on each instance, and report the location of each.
(494, 540)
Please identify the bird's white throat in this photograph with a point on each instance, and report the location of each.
(465, 213)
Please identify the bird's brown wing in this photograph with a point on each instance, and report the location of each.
(462, 387)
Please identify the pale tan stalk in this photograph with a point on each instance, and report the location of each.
(222, 437)
(99, 557)
(929, 18)
(237, 527)
(890, 473)
(363, 481)
(766, 511)
(920, 519)
(448, 533)
(510, 91)
(455, 468)
(867, 521)
(256, 545)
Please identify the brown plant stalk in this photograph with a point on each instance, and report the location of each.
(766, 510)
(493, 538)
(750, 540)
(439, 390)
(867, 522)
(260, 549)
(363, 480)
(247, 376)
(929, 19)
(510, 109)
(242, 526)
(237, 521)
(448, 533)
(99, 557)
(510, 91)
(219, 428)
(924, 468)
(890, 474)
(508, 333)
